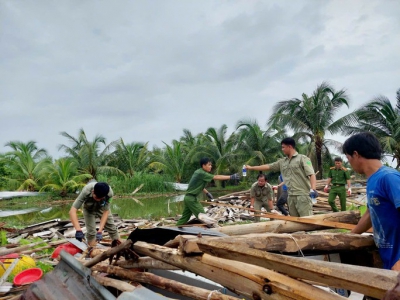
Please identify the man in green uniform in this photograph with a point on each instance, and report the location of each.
(261, 194)
(338, 176)
(299, 178)
(197, 184)
(95, 198)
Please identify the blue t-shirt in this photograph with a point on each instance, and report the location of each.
(383, 196)
(284, 187)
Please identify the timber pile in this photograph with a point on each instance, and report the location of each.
(264, 265)
(237, 206)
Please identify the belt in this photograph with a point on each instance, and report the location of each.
(338, 184)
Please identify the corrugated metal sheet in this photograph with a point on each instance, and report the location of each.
(69, 280)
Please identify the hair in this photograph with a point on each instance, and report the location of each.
(366, 144)
(289, 142)
(262, 175)
(204, 161)
(101, 189)
(338, 159)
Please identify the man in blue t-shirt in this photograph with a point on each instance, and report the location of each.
(363, 152)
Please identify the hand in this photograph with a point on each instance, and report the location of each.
(326, 188)
(99, 236)
(313, 193)
(234, 177)
(209, 196)
(275, 187)
(251, 206)
(349, 192)
(79, 235)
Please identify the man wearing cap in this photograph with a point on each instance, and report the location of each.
(95, 198)
(338, 176)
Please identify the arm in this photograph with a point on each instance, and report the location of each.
(74, 219)
(252, 202)
(313, 181)
(328, 182)
(364, 224)
(222, 177)
(258, 168)
(103, 220)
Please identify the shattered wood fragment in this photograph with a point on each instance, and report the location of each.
(104, 255)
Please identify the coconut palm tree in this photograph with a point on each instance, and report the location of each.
(381, 118)
(171, 160)
(312, 116)
(256, 145)
(88, 154)
(130, 158)
(27, 164)
(63, 177)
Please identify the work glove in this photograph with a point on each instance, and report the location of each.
(99, 236)
(234, 177)
(79, 235)
(274, 211)
(326, 188)
(349, 192)
(313, 193)
(209, 196)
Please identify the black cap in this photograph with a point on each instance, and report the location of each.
(101, 189)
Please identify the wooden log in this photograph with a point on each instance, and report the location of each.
(118, 284)
(351, 217)
(242, 278)
(324, 223)
(165, 284)
(369, 281)
(19, 249)
(104, 255)
(146, 263)
(287, 243)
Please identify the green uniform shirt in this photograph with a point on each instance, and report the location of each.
(85, 198)
(261, 193)
(339, 176)
(198, 182)
(295, 171)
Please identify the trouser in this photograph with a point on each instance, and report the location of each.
(337, 191)
(90, 223)
(191, 206)
(300, 206)
(258, 204)
(281, 203)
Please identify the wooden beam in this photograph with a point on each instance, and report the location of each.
(248, 280)
(351, 217)
(287, 243)
(164, 283)
(146, 263)
(369, 281)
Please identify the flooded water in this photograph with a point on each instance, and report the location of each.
(153, 208)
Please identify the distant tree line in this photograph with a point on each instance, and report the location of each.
(27, 167)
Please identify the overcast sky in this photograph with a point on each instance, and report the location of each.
(146, 70)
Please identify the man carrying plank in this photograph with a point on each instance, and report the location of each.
(364, 152)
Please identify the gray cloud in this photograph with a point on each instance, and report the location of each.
(145, 70)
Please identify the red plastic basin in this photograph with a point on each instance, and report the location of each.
(28, 276)
(68, 247)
